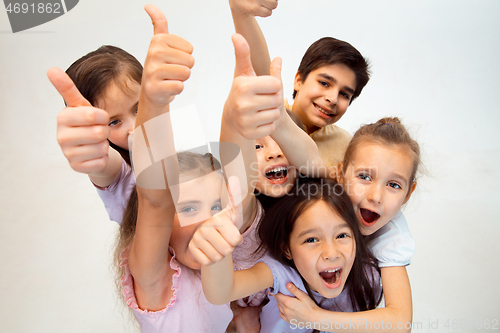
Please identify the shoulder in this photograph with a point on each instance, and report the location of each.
(282, 275)
(392, 244)
(332, 132)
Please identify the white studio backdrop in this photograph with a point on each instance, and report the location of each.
(434, 64)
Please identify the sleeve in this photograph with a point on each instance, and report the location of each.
(393, 244)
(115, 196)
(127, 282)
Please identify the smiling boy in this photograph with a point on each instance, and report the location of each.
(331, 75)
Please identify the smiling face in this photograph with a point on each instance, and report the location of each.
(121, 105)
(323, 249)
(199, 200)
(323, 97)
(275, 177)
(378, 182)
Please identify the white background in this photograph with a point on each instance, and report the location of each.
(435, 64)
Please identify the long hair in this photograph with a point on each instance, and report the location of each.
(279, 220)
(94, 72)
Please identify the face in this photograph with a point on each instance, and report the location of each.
(199, 200)
(323, 249)
(323, 98)
(275, 177)
(121, 107)
(378, 182)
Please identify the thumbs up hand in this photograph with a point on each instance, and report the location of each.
(218, 236)
(261, 8)
(82, 130)
(254, 102)
(168, 63)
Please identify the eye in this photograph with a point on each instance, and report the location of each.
(343, 235)
(113, 122)
(345, 95)
(188, 209)
(311, 240)
(324, 83)
(395, 185)
(364, 176)
(257, 146)
(217, 207)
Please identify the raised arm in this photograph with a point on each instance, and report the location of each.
(82, 133)
(244, 12)
(396, 316)
(299, 148)
(167, 65)
(249, 113)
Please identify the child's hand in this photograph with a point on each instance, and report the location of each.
(261, 8)
(218, 236)
(168, 62)
(301, 308)
(254, 103)
(82, 130)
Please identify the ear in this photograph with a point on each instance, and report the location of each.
(288, 254)
(340, 173)
(410, 191)
(297, 82)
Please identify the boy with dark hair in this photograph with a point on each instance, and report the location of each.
(331, 75)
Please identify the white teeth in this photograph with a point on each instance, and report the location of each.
(281, 168)
(333, 270)
(323, 110)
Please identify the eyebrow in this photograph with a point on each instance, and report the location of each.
(331, 78)
(305, 232)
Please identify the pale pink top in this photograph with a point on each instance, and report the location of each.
(244, 257)
(188, 309)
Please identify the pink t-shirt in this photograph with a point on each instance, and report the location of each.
(188, 309)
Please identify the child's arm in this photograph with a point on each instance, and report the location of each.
(258, 99)
(244, 12)
(82, 133)
(212, 246)
(167, 65)
(396, 316)
(299, 148)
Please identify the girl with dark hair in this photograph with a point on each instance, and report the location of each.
(312, 240)
(379, 175)
(101, 92)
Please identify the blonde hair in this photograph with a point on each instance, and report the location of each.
(389, 132)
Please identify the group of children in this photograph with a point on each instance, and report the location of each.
(308, 237)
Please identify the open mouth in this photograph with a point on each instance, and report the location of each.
(324, 111)
(368, 216)
(331, 277)
(277, 174)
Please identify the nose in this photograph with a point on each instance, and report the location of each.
(330, 252)
(273, 152)
(332, 96)
(375, 195)
(130, 124)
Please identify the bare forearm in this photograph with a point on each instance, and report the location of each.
(247, 26)
(217, 281)
(300, 150)
(108, 175)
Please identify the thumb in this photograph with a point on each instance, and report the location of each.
(296, 291)
(159, 20)
(275, 69)
(235, 201)
(66, 88)
(243, 59)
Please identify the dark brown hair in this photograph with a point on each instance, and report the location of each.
(389, 132)
(278, 222)
(95, 71)
(330, 51)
